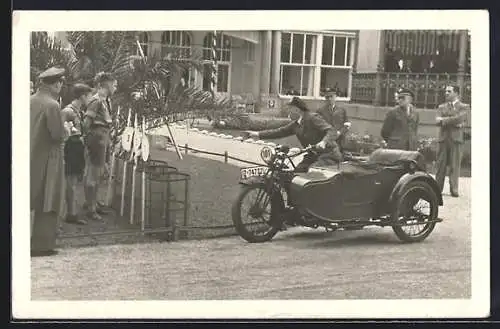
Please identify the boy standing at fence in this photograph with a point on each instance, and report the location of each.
(97, 124)
(74, 152)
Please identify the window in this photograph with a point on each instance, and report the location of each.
(249, 49)
(223, 62)
(178, 45)
(298, 58)
(336, 64)
(176, 42)
(313, 62)
(144, 42)
(248, 72)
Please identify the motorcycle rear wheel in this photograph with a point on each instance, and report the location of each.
(410, 197)
(273, 224)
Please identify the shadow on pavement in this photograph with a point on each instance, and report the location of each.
(318, 239)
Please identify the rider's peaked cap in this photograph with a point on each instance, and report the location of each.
(405, 92)
(299, 103)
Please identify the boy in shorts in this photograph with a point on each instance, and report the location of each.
(97, 124)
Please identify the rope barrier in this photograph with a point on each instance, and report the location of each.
(225, 155)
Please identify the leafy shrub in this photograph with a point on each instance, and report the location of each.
(243, 121)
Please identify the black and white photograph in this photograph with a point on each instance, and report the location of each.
(250, 164)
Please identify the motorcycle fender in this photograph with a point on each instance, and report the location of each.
(262, 180)
(258, 180)
(408, 178)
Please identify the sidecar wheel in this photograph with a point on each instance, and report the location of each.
(413, 221)
(270, 225)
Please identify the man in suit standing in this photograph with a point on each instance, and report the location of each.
(335, 116)
(400, 126)
(451, 118)
(310, 129)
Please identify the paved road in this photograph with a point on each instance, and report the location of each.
(297, 264)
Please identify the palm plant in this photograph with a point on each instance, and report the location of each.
(158, 79)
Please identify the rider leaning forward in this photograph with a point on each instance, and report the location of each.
(310, 129)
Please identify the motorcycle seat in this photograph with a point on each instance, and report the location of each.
(352, 170)
(388, 157)
(322, 173)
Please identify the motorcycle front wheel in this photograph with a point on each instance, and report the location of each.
(254, 204)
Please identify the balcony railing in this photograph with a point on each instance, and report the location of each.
(428, 88)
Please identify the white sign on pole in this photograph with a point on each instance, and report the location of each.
(127, 137)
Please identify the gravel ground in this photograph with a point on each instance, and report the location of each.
(297, 264)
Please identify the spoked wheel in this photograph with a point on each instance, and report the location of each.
(416, 212)
(255, 216)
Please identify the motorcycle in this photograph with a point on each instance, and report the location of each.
(386, 188)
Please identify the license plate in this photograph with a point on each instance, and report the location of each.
(253, 171)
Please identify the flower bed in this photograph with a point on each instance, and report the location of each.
(245, 121)
(356, 143)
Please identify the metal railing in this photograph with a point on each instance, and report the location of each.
(428, 88)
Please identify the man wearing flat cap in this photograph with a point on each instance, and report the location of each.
(47, 135)
(335, 115)
(310, 129)
(400, 126)
(450, 120)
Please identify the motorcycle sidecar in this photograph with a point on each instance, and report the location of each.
(383, 186)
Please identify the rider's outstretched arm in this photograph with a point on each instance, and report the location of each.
(280, 132)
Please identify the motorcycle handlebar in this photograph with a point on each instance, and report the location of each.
(286, 149)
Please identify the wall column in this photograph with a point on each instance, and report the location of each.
(461, 60)
(275, 66)
(351, 63)
(380, 70)
(265, 68)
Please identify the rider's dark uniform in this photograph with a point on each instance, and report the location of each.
(310, 129)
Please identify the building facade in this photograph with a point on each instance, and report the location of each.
(365, 66)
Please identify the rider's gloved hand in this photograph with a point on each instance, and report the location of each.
(321, 145)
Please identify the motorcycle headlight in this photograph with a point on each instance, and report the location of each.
(267, 154)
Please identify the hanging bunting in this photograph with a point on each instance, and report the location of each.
(213, 79)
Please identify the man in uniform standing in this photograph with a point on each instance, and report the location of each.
(400, 126)
(46, 161)
(335, 116)
(451, 118)
(97, 125)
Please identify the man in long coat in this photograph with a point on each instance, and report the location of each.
(450, 119)
(400, 126)
(334, 115)
(46, 162)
